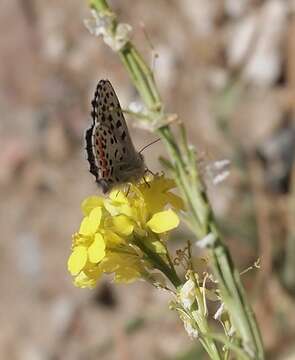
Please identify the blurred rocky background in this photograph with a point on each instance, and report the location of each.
(227, 67)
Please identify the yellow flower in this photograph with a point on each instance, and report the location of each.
(96, 250)
(127, 267)
(90, 203)
(118, 203)
(157, 195)
(123, 225)
(77, 260)
(91, 222)
(85, 255)
(113, 228)
(163, 221)
(87, 279)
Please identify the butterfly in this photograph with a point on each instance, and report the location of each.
(110, 152)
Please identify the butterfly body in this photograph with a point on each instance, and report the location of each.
(111, 154)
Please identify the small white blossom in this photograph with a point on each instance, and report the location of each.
(187, 294)
(219, 312)
(218, 171)
(101, 25)
(97, 25)
(192, 333)
(137, 107)
(220, 177)
(221, 164)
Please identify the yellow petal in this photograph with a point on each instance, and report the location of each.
(111, 208)
(77, 260)
(118, 203)
(86, 279)
(163, 221)
(157, 195)
(110, 262)
(118, 196)
(126, 210)
(90, 203)
(140, 211)
(126, 268)
(175, 201)
(96, 250)
(95, 217)
(112, 239)
(123, 225)
(126, 275)
(90, 224)
(116, 208)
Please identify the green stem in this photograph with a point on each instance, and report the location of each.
(99, 5)
(141, 76)
(159, 263)
(203, 330)
(236, 302)
(230, 345)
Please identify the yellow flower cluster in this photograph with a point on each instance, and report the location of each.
(112, 227)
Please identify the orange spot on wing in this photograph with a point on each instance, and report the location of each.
(105, 172)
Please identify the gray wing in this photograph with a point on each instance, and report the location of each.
(111, 153)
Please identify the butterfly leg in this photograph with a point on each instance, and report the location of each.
(147, 170)
(128, 190)
(144, 179)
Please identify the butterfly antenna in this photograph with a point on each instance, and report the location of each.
(146, 146)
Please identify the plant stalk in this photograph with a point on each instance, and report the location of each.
(201, 214)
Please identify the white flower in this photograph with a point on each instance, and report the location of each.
(102, 25)
(218, 171)
(220, 177)
(187, 294)
(97, 25)
(137, 107)
(221, 164)
(192, 333)
(121, 37)
(219, 312)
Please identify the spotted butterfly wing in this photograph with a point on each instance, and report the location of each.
(111, 154)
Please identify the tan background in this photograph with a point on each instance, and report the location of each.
(49, 67)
